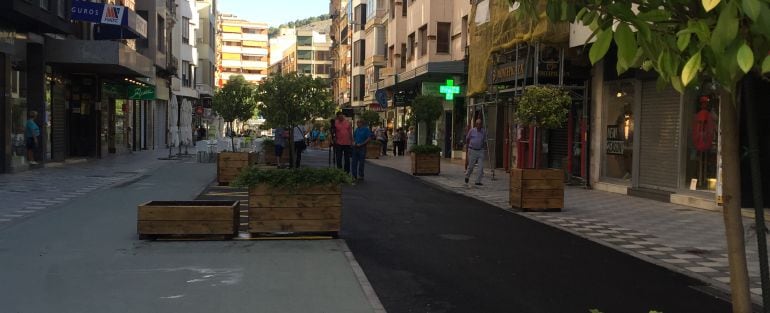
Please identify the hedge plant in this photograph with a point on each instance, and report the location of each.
(292, 178)
(425, 149)
(543, 106)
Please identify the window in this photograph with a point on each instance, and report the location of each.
(465, 32)
(304, 40)
(411, 46)
(305, 69)
(322, 69)
(359, 53)
(443, 35)
(61, 8)
(423, 40)
(185, 73)
(391, 50)
(161, 29)
(322, 55)
(305, 55)
(403, 55)
(185, 30)
(392, 9)
(403, 7)
(142, 44)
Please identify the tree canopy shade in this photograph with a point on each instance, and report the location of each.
(686, 42)
(235, 101)
(543, 106)
(293, 99)
(427, 109)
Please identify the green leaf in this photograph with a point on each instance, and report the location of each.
(647, 65)
(683, 41)
(752, 8)
(766, 65)
(676, 82)
(589, 18)
(709, 5)
(691, 69)
(581, 13)
(626, 42)
(726, 29)
(745, 58)
(656, 15)
(600, 47)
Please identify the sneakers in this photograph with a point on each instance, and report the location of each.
(466, 180)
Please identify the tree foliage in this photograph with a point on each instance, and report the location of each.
(370, 117)
(235, 101)
(273, 31)
(427, 108)
(293, 99)
(543, 106)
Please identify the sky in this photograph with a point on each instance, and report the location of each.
(274, 12)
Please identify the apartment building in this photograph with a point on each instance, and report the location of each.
(242, 49)
(205, 39)
(310, 54)
(340, 52)
(426, 49)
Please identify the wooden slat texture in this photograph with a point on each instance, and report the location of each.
(234, 156)
(541, 184)
(542, 203)
(327, 225)
(373, 149)
(318, 213)
(295, 201)
(543, 174)
(537, 189)
(426, 164)
(315, 190)
(539, 193)
(187, 213)
(187, 227)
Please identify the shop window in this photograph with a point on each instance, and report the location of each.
(619, 131)
(701, 120)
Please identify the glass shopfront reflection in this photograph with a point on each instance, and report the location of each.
(701, 119)
(619, 131)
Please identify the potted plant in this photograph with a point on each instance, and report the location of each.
(374, 147)
(209, 218)
(235, 101)
(303, 200)
(426, 160)
(540, 107)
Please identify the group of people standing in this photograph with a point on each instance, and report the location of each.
(281, 136)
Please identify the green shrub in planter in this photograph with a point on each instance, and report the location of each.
(292, 178)
(426, 149)
(268, 143)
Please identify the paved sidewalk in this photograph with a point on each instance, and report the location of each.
(26, 193)
(687, 240)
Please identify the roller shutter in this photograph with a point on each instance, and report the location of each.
(659, 137)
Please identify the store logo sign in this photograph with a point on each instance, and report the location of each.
(615, 142)
(113, 14)
(141, 93)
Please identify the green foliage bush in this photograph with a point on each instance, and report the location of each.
(427, 108)
(426, 149)
(543, 106)
(292, 178)
(370, 117)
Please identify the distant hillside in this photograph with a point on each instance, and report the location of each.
(274, 30)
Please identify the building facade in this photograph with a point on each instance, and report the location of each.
(242, 49)
(340, 52)
(309, 54)
(207, 61)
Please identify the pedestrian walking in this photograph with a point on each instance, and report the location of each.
(342, 139)
(476, 145)
(314, 136)
(381, 134)
(397, 140)
(361, 137)
(279, 138)
(31, 133)
(411, 139)
(322, 137)
(299, 143)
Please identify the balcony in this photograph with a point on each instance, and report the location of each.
(254, 64)
(254, 51)
(254, 37)
(377, 60)
(231, 49)
(231, 36)
(98, 56)
(231, 63)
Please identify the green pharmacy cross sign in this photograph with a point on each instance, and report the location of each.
(449, 90)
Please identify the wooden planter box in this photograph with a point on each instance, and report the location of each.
(426, 164)
(537, 189)
(188, 218)
(231, 164)
(373, 149)
(303, 210)
(269, 155)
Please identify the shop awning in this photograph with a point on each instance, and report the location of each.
(112, 21)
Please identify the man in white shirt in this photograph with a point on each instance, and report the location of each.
(299, 143)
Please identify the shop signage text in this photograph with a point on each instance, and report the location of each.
(141, 93)
(614, 141)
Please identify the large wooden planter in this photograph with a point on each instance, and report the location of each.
(188, 218)
(268, 155)
(302, 210)
(426, 164)
(537, 189)
(231, 164)
(373, 149)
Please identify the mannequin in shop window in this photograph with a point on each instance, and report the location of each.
(625, 122)
(704, 129)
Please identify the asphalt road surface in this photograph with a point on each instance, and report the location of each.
(428, 250)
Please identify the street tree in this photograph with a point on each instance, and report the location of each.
(427, 109)
(685, 42)
(235, 101)
(288, 100)
(371, 117)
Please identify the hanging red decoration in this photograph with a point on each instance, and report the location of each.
(704, 126)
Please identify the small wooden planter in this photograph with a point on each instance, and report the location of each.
(426, 164)
(188, 219)
(268, 154)
(231, 164)
(373, 149)
(537, 189)
(304, 210)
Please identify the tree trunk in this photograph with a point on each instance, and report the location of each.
(731, 184)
